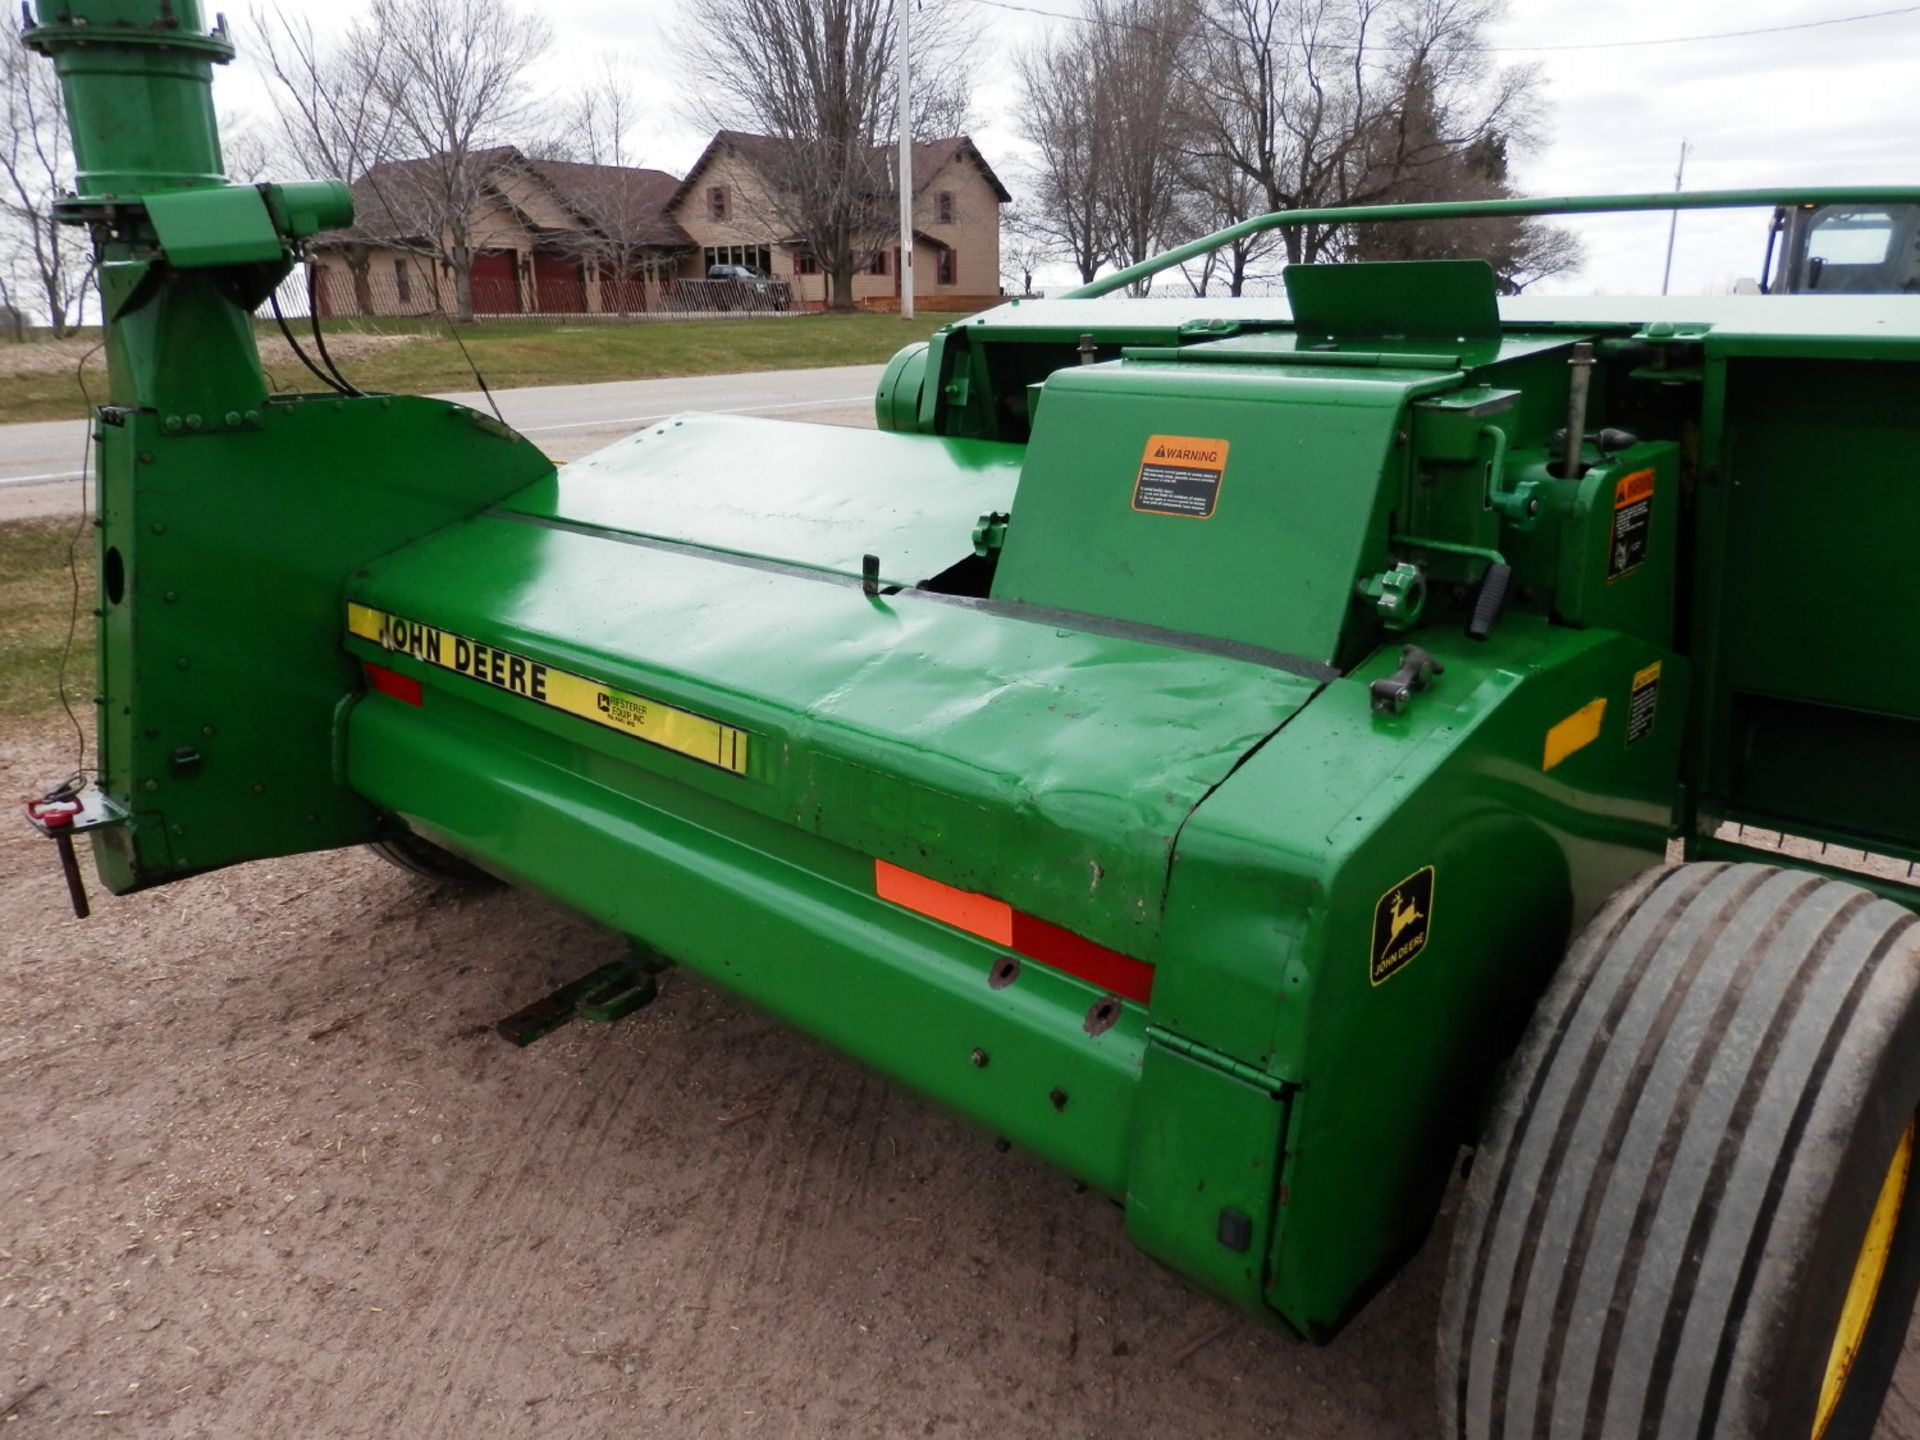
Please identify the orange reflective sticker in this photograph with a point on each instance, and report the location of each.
(967, 910)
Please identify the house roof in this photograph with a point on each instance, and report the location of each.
(930, 157)
(634, 201)
(391, 201)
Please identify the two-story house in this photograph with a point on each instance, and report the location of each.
(729, 207)
(546, 238)
(556, 238)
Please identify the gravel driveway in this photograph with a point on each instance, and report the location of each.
(266, 1170)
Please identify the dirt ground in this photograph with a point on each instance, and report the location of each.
(266, 1170)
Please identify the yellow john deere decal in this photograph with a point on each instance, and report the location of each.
(672, 729)
(1402, 919)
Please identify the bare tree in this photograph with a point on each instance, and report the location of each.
(13, 324)
(817, 78)
(247, 149)
(1216, 195)
(589, 166)
(1063, 115)
(1022, 251)
(624, 233)
(602, 116)
(1309, 99)
(1521, 251)
(453, 76)
(1140, 201)
(332, 121)
(34, 172)
(438, 84)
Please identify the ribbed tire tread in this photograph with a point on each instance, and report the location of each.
(1629, 1236)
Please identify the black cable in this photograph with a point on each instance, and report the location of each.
(495, 404)
(320, 343)
(273, 300)
(73, 562)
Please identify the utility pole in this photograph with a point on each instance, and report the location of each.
(905, 148)
(1673, 218)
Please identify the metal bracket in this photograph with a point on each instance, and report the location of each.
(610, 993)
(1416, 672)
(73, 807)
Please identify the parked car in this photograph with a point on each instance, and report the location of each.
(752, 288)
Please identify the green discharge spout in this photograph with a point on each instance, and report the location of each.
(137, 76)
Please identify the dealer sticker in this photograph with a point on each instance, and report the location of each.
(696, 736)
(1180, 475)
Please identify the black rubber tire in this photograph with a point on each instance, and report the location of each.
(1664, 1215)
(423, 857)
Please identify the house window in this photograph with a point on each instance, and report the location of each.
(877, 265)
(402, 282)
(806, 263)
(760, 257)
(948, 269)
(946, 207)
(716, 202)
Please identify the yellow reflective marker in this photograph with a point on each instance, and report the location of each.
(1576, 732)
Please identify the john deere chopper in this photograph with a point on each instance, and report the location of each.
(1227, 748)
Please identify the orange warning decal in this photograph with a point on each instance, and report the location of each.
(1632, 489)
(1180, 475)
(1185, 450)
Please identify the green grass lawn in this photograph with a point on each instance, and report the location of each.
(36, 603)
(38, 382)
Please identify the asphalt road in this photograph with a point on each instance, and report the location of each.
(40, 464)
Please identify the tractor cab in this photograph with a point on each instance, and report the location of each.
(1843, 250)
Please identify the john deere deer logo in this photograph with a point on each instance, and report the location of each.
(1403, 916)
(1401, 924)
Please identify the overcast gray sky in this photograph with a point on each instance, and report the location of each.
(1830, 105)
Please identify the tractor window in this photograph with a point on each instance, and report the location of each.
(1843, 237)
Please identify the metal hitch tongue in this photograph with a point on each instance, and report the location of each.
(72, 807)
(610, 993)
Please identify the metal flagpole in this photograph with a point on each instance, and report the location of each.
(905, 148)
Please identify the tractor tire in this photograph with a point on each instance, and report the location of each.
(1690, 1217)
(422, 857)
